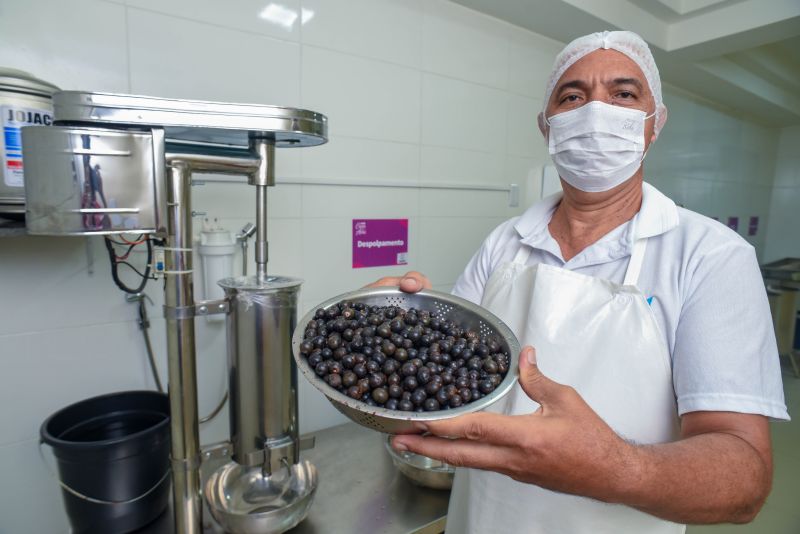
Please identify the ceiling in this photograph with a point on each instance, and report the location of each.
(740, 55)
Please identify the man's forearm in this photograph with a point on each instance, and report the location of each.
(709, 478)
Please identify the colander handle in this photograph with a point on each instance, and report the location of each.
(92, 499)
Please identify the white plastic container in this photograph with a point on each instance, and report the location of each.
(216, 249)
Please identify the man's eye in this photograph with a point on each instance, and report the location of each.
(571, 98)
(625, 94)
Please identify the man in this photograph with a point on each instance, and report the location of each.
(645, 403)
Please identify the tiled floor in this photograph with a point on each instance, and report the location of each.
(781, 514)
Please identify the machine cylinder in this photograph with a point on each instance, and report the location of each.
(262, 372)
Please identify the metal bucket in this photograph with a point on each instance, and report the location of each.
(262, 372)
(113, 460)
(24, 101)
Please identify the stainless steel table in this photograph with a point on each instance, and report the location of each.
(360, 491)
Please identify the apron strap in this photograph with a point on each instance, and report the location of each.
(522, 255)
(635, 263)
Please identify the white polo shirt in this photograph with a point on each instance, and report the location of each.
(702, 281)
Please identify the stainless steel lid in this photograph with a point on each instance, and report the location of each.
(20, 81)
(195, 121)
(251, 284)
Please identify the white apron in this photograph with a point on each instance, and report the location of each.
(602, 339)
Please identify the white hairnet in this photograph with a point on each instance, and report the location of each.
(625, 42)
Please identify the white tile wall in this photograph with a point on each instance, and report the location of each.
(460, 166)
(281, 21)
(79, 44)
(179, 58)
(464, 115)
(417, 92)
(714, 163)
(458, 42)
(359, 28)
(783, 239)
(378, 161)
(362, 97)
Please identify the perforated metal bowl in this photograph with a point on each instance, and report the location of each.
(462, 312)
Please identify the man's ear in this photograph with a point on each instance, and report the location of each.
(542, 124)
(661, 120)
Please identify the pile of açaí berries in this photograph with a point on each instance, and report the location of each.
(400, 359)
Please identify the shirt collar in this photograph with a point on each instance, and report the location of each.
(657, 216)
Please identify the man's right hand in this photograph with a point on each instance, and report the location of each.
(411, 282)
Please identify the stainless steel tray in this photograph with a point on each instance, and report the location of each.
(785, 269)
(461, 311)
(194, 121)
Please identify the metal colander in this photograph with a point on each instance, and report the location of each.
(462, 312)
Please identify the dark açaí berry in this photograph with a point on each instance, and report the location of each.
(486, 386)
(334, 380)
(314, 359)
(408, 369)
(410, 383)
(348, 361)
(418, 396)
(380, 395)
(433, 386)
(360, 370)
(377, 380)
(349, 378)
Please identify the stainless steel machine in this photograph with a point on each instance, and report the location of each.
(116, 164)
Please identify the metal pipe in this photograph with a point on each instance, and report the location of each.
(179, 296)
(262, 178)
(209, 163)
(262, 252)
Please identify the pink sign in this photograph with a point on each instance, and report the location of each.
(733, 223)
(380, 242)
(752, 228)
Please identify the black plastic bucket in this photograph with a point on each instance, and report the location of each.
(113, 449)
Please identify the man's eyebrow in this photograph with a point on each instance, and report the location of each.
(572, 84)
(628, 81)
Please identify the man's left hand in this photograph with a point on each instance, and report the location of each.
(563, 446)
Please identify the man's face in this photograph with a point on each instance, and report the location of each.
(608, 76)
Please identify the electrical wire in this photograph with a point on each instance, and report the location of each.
(144, 324)
(116, 261)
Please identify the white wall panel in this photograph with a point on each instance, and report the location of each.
(464, 115)
(75, 44)
(177, 58)
(362, 97)
(458, 42)
(359, 27)
(460, 166)
(365, 160)
(530, 60)
(281, 19)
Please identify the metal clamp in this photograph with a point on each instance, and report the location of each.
(277, 452)
(307, 443)
(212, 307)
(216, 451)
(200, 308)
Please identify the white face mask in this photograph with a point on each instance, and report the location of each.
(597, 146)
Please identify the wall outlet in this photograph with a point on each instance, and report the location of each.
(513, 195)
(158, 262)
